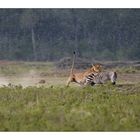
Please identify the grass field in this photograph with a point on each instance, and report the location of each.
(27, 105)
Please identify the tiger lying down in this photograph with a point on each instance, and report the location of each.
(100, 78)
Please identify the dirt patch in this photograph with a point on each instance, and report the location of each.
(34, 79)
(4, 81)
(129, 78)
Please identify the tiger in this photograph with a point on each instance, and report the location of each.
(100, 78)
(79, 77)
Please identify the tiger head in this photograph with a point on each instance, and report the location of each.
(96, 68)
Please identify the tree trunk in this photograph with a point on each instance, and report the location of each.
(34, 45)
(76, 41)
(75, 23)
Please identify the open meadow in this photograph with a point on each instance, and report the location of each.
(33, 97)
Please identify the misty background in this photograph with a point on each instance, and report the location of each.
(52, 34)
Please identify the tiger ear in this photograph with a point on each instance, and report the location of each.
(92, 65)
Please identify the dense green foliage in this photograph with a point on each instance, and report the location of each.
(102, 108)
(51, 34)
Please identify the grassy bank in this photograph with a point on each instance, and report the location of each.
(27, 105)
(102, 108)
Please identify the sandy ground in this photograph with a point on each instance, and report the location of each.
(33, 79)
(129, 78)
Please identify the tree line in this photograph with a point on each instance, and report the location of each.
(52, 34)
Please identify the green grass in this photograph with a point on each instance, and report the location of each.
(100, 108)
(58, 108)
(15, 68)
